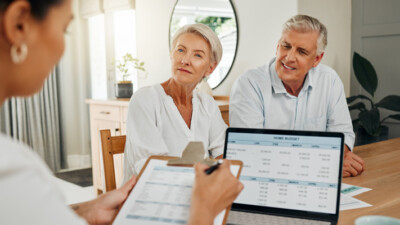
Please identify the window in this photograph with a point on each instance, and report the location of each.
(125, 38)
(111, 35)
(97, 55)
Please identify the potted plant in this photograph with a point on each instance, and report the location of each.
(368, 124)
(124, 88)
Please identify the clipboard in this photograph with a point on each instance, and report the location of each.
(147, 181)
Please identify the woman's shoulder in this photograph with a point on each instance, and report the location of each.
(206, 101)
(148, 94)
(147, 91)
(10, 147)
(15, 155)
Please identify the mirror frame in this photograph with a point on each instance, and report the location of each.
(237, 39)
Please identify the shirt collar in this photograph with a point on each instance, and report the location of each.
(277, 84)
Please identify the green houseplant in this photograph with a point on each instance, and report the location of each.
(369, 118)
(125, 67)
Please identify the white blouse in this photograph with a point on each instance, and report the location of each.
(155, 127)
(28, 193)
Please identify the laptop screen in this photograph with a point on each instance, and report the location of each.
(287, 169)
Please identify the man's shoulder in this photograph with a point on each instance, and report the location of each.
(326, 77)
(324, 73)
(326, 70)
(260, 73)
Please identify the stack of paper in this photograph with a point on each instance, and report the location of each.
(346, 198)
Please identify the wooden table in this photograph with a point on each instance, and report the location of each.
(382, 175)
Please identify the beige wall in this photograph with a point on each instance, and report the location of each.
(258, 36)
(260, 23)
(336, 15)
(152, 26)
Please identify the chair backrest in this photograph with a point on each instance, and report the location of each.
(111, 145)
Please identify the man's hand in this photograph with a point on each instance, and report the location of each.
(104, 208)
(353, 165)
(212, 193)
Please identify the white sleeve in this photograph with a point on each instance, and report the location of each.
(28, 191)
(143, 137)
(339, 119)
(217, 132)
(246, 108)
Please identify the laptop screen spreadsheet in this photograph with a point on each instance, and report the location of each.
(302, 176)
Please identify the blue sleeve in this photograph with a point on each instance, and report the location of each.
(339, 119)
(246, 107)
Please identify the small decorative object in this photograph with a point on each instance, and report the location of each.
(369, 121)
(124, 88)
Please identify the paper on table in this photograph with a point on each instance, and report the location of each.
(162, 196)
(352, 190)
(348, 202)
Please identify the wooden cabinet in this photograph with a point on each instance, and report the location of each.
(111, 114)
(106, 114)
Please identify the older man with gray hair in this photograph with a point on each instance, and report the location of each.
(294, 91)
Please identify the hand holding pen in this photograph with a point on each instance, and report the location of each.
(215, 192)
(213, 167)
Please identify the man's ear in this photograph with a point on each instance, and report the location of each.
(211, 69)
(16, 22)
(318, 59)
(277, 48)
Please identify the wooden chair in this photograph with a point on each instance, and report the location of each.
(111, 145)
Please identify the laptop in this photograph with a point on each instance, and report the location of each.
(289, 177)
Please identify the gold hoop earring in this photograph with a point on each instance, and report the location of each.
(18, 54)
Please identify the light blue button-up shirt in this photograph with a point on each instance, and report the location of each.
(259, 100)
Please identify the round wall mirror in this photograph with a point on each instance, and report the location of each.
(220, 16)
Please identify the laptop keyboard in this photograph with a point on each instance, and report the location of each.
(245, 218)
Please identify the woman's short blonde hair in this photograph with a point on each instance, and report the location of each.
(304, 23)
(203, 31)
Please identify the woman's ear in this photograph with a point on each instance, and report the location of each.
(213, 65)
(16, 21)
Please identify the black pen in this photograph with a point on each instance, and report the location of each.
(213, 167)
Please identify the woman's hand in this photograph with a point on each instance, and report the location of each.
(104, 208)
(212, 193)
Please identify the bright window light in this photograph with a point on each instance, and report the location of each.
(97, 52)
(125, 38)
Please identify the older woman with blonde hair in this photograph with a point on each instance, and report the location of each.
(164, 118)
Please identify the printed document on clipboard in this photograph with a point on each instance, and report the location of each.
(162, 195)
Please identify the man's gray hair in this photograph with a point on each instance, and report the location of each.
(205, 32)
(304, 23)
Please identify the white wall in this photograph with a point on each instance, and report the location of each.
(152, 30)
(260, 23)
(336, 15)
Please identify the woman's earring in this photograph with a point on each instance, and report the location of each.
(18, 55)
